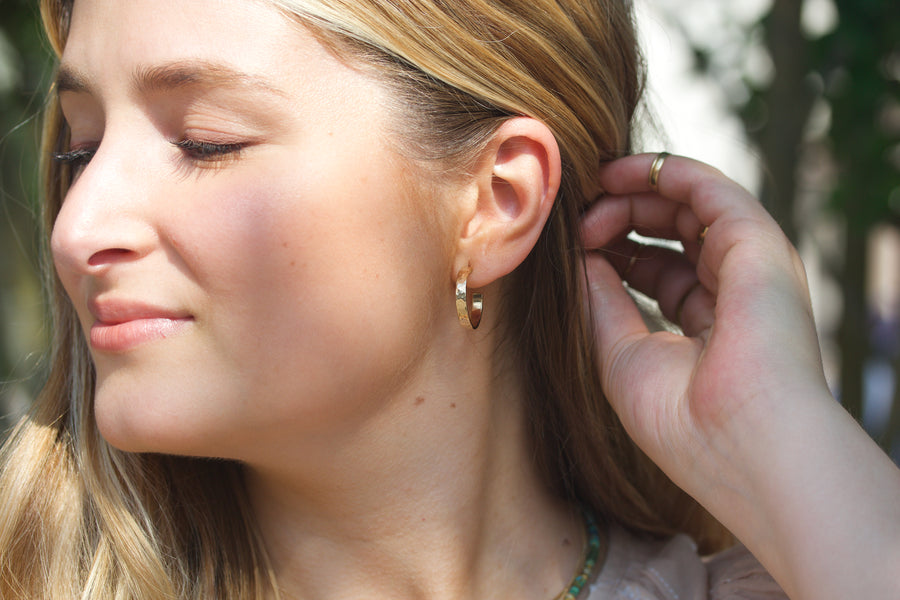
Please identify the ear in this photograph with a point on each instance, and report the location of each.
(517, 180)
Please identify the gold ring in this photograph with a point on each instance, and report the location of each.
(702, 235)
(680, 307)
(655, 169)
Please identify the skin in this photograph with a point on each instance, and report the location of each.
(317, 251)
(268, 230)
(739, 413)
(305, 288)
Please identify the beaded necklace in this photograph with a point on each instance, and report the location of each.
(591, 553)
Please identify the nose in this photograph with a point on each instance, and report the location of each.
(104, 217)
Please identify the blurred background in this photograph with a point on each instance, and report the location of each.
(799, 100)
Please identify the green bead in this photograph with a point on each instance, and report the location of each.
(591, 553)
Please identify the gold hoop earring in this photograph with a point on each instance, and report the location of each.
(468, 317)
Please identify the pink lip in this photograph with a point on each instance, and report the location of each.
(121, 326)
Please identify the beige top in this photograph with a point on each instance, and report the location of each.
(637, 569)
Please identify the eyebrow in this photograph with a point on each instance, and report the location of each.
(172, 76)
(69, 79)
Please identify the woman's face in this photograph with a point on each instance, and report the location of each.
(249, 259)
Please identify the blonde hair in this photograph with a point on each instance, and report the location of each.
(82, 519)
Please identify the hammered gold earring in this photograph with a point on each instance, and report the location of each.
(469, 314)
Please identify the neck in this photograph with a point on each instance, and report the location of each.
(436, 498)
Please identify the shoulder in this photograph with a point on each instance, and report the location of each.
(638, 569)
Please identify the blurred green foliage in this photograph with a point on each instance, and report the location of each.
(24, 74)
(859, 64)
(859, 67)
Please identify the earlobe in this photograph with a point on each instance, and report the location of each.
(517, 181)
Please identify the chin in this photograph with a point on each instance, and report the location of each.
(136, 409)
(146, 422)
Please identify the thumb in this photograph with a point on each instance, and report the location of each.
(615, 317)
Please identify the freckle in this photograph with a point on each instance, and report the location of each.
(284, 245)
(293, 262)
(419, 400)
(453, 405)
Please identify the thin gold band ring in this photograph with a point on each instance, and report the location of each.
(656, 169)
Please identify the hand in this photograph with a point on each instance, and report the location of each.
(736, 411)
(741, 299)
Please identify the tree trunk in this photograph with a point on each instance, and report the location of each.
(854, 336)
(788, 101)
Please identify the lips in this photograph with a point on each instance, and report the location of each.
(120, 326)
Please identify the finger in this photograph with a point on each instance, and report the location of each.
(670, 278)
(705, 189)
(695, 311)
(648, 214)
(730, 213)
(615, 316)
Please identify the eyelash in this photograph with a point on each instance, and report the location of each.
(208, 151)
(193, 149)
(75, 158)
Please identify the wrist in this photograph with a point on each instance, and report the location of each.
(811, 495)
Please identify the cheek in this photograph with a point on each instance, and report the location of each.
(339, 277)
(270, 244)
(303, 232)
(230, 235)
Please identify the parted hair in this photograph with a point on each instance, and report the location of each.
(81, 519)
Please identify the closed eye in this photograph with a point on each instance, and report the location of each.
(77, 158)
(208, 151)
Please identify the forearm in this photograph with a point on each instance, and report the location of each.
(816, 501)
